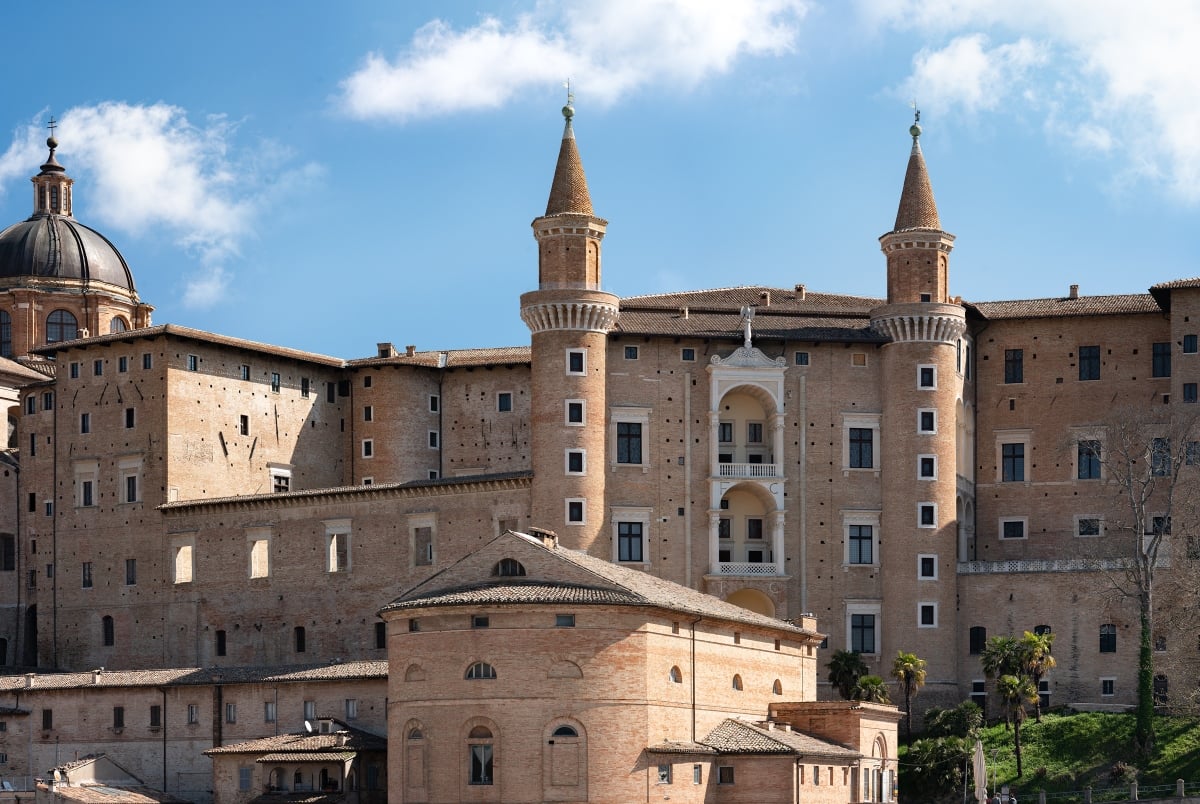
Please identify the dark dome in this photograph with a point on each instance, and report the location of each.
(59, 247)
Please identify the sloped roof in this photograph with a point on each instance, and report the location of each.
(917, 207)
(1067, 307)
(583, 579)
(310, 747)
(569, 190)
(197, 675)
(450, 358)
(740, 737)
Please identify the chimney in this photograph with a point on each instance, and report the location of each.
(766, 298)
(801, 291)
(386, 350)
(785, 726)
(96, 675)
(29, 680)
(1074, 292)
(410, 350)
(548, 537)
(770, 724)
(683, 312)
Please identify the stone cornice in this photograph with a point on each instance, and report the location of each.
(941, 323)
(587, 316)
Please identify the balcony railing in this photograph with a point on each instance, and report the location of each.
(748, 470)
(748, 568)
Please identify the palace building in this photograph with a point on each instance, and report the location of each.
(915, 471)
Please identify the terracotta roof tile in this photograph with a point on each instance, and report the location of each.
(1066, 307)
(308, 745)
(187, 333)
(451, 358)
(683, 747)
(569, 190)
(517, 591)
(739, 737)
(917, 207)
(198, 675)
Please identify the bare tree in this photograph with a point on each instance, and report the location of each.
(1151, 461)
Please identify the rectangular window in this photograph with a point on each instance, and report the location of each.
(422, 546)
(310, 710)
(122, 364)
(927, 567)
(927, 615)
(927, 467)
(687, 354)
(281, 481)
(1160, 360)
(927, 377)
(629, 442)
(155, 716)
(1160, 457)
(725, 774)
(130, 418)
(193, 714)
(30, 405)
(725, 432)
(1012, 529)
(244, 372)
(98, 368)
(1012, 457)
(245, 777)
(260, 558)
(1189, 344)
(1191, 454)
(47, 400)
(85, 574)
(480, 621)
(575, 412)
(504, 402)
(435, 403)
(193, 363)
(147, 361)
(724, 528)
(368, 413)
(1108, 687)
(862, 453)
(269, 712)
(481, 764)
(1087, 526)
(754, 433)
(979, 692)
(131, 572)
(1089, 362)
(118, 717)
(219, 639)
(926, 515)
(664, 774)
(862, 544)
(629, 541)
(131, 488)
(87, 493)
(575, 512)
(330, 391)
(368, 379)
(697, 774)
(576, 364)
(754, 528)
(368, 447)
(862, 633)
(434, 439)
(1189, 392)
(977, 639)
(231, 713)
(47, 719)
(575, 462)
(380, 635)
(801, 358)
(74, 371)
(339, 552)
(275, 382)
(631, 353)
(1014, 365)
(926, 421)
(564, 620)
(1108, 638)
(305, 387)
(1089, 452)
(85, 423)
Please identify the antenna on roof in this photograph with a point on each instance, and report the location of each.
(308, 727)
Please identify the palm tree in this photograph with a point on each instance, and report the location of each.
(1016, 691)
(910, 672)
(846, 667)
(1001, 657)
(872, 689)
(1036, 661)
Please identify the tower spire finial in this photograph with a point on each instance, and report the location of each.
(915, 128)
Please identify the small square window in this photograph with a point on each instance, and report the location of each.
(576, 364)
(725, 774)
(664, 774)
(858, 359)
(480, 621)
(927, 615)
(1012, 528)
(801, 358)
(576, 462)
(927, 377)
(927, 515)
(504, 402)
(367, 380)
(1087, 526)
(244, 372)
(1108, 687)
(575, 512)
(687, 354)
(927, 467)
(564, 620)
(575, 409)
(927, 567)
(631, 353)
(1189, 344)
(193, 363)
(927, 421)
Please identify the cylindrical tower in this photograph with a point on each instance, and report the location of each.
(569, 317)
(922, 382)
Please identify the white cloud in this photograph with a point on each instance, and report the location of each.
(612, 48)
(150, 169)
(1123, 80)
(966, 74)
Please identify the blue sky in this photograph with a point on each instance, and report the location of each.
(328, 176)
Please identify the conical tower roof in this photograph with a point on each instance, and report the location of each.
(917, 210)
(569, 192)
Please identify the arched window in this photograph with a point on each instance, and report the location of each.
(508, 568)
(110, 636)
(61, 326)
(777, 687)
(416, 755)
(416, 734)
(481, 670)
(5, 334)
(676, 675)
(479, 748)
(737, 682)
(117, 324)
(565, 731)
